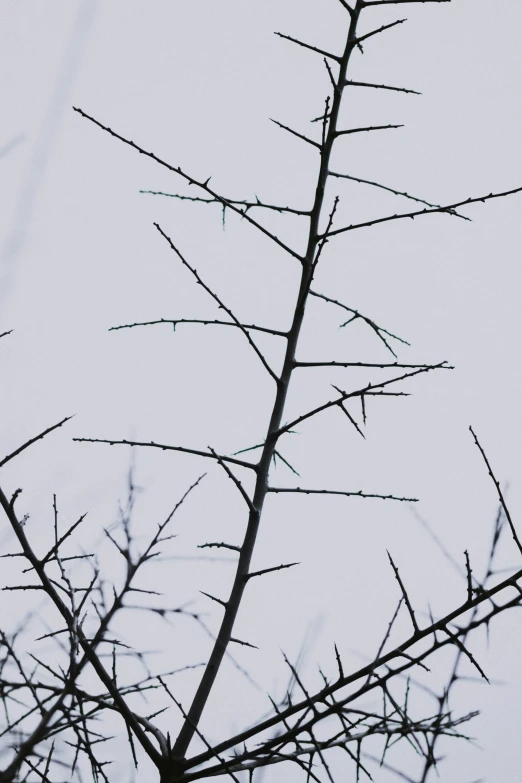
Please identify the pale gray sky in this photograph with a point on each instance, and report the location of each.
(196, 83)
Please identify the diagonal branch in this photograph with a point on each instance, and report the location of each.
(369, 669)
(30, 442)
(499, 493)
(322, 243)
(309, 46)
(219, 302)
(295, 133)
(191, 181)
(90, 655)
(243, 492)
(463, 649)
(186, 717)
(214, 598)
(263, 571)
(395, 192)
(225, 633)
(356, 314)
(52, 552)
(379, 30)
(358, 393)
(404, 594)
(412, 215)
(347, 7)
(350, 417)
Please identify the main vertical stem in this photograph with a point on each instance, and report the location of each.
(232, 606)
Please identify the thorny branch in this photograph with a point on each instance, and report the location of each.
(45, 701)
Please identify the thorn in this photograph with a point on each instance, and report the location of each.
(245, 644)
(213, 598)
(339, 662)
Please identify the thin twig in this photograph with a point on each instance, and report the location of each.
(395, 192)
(350, 83)
(384, 27)
(176, 322)
(358, 494)
(404, 594)
(499, 493)
(412, 215)
(242, 203)
(165, 447)
(366, 129)
(30, 442)
(358, 393)
(309, 46)
(200, 184)
(218, 300)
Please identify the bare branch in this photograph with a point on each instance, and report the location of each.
(499, 493)
(219, 302)
(295, 133)
(469, 576)
(203, 185)
(175, 322)
(326, 114)
(382, 365)
(371, 668)
(339, 662)
(269, 570)
(347, 7)
(88, 649)
(296, 738)
(379, 331)
(242, 203)
(350, 417)
(164, 447)
(322, 243)
(309, 46)
(219, 545)
(395, 192)
(194, 726)
(30, 442)
(358, 494)
(404, 594)
(412, 215)
(350, 83)
(52, 552)
(369, 128)
(243, 643)
(277, 455)
(466, 652)
(236, 481)
(213, 598)
(358, 393)
(384, 27)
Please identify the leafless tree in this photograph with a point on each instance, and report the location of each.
(56, 710)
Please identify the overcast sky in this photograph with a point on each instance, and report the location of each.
(196, 82)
